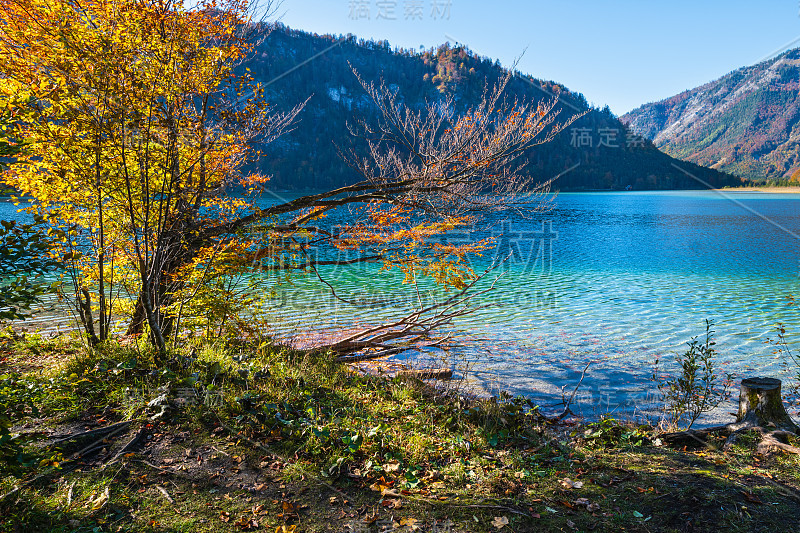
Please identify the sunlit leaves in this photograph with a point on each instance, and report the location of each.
(114, 99)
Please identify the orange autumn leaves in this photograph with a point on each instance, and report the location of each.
(103, 83)
(138, 117)
(415, 245)
(113, 99)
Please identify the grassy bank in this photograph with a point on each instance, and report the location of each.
(239, 438)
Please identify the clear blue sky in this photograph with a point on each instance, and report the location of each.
(618, 52)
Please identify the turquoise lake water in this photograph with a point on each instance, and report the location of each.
(622, 279)
(615, 278)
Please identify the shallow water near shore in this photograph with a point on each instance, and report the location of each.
(616, 279)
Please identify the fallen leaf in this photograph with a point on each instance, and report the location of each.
(246, 524)
(391, 467)
(100, 501)
(500, 522)
(410, 522)
(571, 524)
(380, 485)
(394, 504)
(752, 498)
(567, 483)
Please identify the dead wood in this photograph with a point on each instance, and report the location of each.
(91, 433)
(128, 446)
(442, 374)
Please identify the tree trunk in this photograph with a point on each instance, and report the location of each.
(760, 405)
(85, 311)
(160, 297)
(136, 326)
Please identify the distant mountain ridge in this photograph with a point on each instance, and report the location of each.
(596, 152)
(746, 123)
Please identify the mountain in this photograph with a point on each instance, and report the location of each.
(596, 152)
(746, 123)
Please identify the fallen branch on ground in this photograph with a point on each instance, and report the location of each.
(128, 446)
(91, 433)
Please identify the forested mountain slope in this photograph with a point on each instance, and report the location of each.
(606, 154)
(746, 123)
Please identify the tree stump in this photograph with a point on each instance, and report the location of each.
(760, 405)
(761, 410)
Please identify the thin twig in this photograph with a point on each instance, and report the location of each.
(567, 410)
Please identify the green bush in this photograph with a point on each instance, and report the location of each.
(697, 388)
(610, 433)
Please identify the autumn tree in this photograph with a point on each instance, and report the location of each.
(140, 122)
(135, 123)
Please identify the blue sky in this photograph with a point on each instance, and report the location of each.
(622, 53)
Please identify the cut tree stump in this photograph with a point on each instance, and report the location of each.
(761, 405)
(761, 410)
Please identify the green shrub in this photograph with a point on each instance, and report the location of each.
(610, 433)
(697, 388)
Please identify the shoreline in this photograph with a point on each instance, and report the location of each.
(774, 190)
